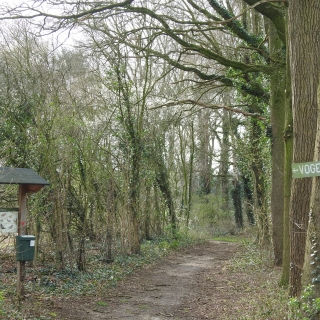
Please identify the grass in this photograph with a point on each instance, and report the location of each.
(265, 300)
(227, 239)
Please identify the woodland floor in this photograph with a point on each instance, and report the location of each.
(202, 282)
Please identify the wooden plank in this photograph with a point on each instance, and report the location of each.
(22, 227)
(22, 216)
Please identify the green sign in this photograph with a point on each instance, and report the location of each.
(306, 169)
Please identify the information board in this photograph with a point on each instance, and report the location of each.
(8, 221)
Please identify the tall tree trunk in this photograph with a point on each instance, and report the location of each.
(111, 208)
(133, 200)
(237, 203)
(191, 160)
(288, 139)
(304, 46)
(260, 194)
(205, 157)
(249, 199)
(311, 270)
(162, 180)
(224, 161)
(186, 149)
(133, 127)
(184, 169)
(277, 115)
(147, 214)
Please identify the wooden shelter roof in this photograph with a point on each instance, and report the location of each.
(22, 176)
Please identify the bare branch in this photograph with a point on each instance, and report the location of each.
(211, 106)
(39, 13)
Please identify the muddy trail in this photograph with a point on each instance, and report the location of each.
(195, 283)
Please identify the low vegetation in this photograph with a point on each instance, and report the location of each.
(46, 279)
(267, 302)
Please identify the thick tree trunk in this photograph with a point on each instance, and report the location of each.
(304, 46)
(277, 114)
(311, 270)
(287, 180)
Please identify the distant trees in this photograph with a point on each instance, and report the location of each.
(87, 132)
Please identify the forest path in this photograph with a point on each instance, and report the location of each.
(192, 284)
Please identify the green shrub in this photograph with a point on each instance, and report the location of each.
(305, 308)
(1, 302)
(207, 214)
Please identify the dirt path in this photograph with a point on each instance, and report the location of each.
(193, 284)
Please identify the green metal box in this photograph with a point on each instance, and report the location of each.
(25, 247)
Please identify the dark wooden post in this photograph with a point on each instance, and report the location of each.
(22, 227)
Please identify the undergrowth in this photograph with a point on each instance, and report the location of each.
(72, 284)
(266, 301)
(305, 308)
(269, 301)
(1, 303)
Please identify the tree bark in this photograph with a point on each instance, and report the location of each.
(224, 162)
(287, 179)
(311, 270)
(304, 48)
(277, 117)
(205, 157)
(259, 185)
(247, 190)
(237, 203)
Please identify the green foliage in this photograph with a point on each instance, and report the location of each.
(207, 214)
(314, 260)
(253, 257)
(182, 239)
(277, 303)
(1, 302)
(226, 239)
(16, 134)
(52, 314)
(270, 301)
(305, 308)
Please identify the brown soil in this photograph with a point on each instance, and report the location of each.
(197, 283)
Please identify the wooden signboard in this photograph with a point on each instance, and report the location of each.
(306, 169)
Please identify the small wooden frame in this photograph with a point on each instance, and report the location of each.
(29, 182)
